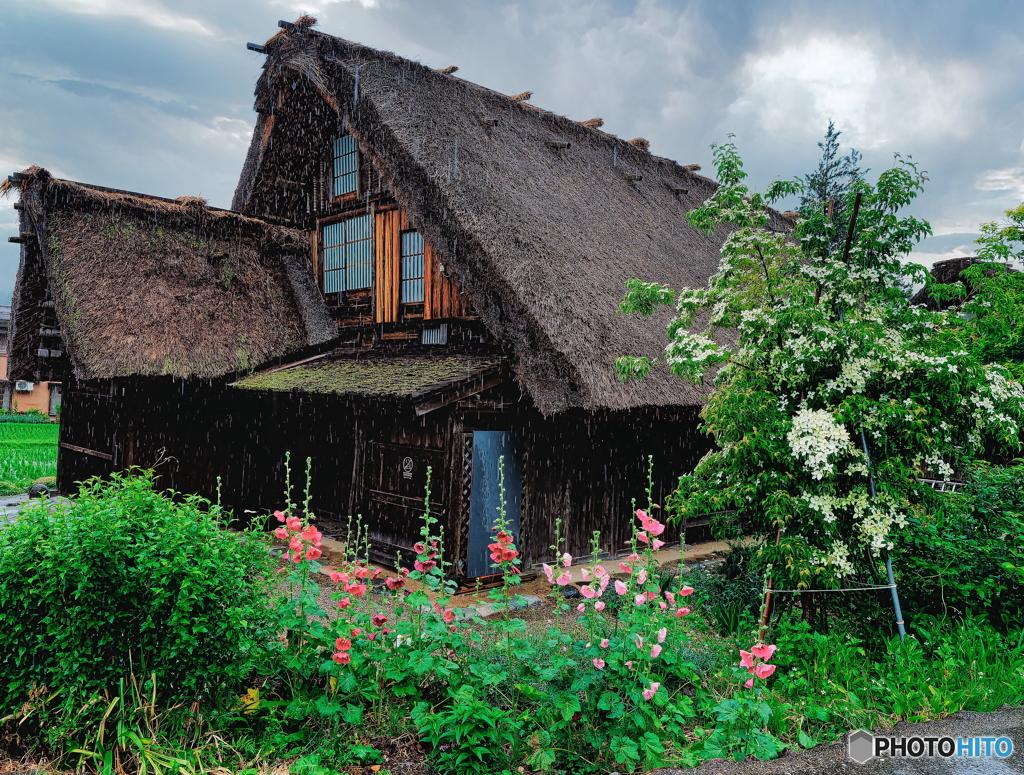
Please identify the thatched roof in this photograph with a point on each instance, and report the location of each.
(539, 218)
(143, 285)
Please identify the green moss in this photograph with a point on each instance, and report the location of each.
(379, 377)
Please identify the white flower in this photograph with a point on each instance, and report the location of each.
(814, 438)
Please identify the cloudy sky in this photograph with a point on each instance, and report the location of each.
(156, 96)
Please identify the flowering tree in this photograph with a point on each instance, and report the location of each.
(826, 377)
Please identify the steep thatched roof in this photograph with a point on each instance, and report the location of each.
(142, 285)
(540, 219)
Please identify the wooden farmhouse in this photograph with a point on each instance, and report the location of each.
(417, 273)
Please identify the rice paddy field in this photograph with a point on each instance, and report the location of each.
(28, 451)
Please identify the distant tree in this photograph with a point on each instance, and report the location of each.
(830, 183)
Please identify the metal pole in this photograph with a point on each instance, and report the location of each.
(888, 560)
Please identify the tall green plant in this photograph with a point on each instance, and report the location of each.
(812, 346)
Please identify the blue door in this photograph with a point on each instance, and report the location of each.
(485, 497)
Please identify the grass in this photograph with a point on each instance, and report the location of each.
(27, 452)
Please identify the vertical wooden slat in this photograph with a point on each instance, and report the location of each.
(429, 267)
(314, 252)
(385, 259)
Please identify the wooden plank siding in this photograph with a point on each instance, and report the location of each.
(387, 246)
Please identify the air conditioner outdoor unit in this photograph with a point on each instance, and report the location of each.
(23, 386)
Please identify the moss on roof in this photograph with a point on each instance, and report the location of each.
(381, 376)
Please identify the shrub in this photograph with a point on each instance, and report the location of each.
(126, 581)
(31, 416)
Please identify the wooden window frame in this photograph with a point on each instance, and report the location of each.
(322, 248)
(409, 308)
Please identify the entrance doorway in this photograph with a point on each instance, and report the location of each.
(494, 452)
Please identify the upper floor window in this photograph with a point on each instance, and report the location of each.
(412, 267)
(348, 254)
(346, 166)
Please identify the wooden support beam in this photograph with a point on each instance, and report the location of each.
(85, 451)
(19, 205)
(256, 47)
(633, 176)
(560, 145)
(490, 122)
(264, 111)
(286, 25)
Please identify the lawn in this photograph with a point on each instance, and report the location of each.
(28, 451)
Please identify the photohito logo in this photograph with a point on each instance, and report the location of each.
(863, 746)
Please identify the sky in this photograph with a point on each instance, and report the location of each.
(156, 96)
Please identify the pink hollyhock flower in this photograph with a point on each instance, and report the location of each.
(282, 570)
(749, 682)
(641, 515)
(671, 598)
(507, 555)
(566, 560)
(580, 607)
(549, 573)
(683, 611)
(662, 605)
(605, 643)
(641, 577)
(296, 557)
(312, 553)
(419, 548)
(281, 533)
(343, 644)
(650, 595)
(686, 591)
(620, 588)
(564, 579)
(657, 544)
(376, 573)
(626, 568)
(356, 631)
(372, 636)
(356, 589)
(746, 659)
(588, 591)
(629, 664)
(338, 577)
(585, 574)
(448, 615)
(295, 545)
(279, 515)
(342, 657)
(603, 583)
(294, 524)
(600, 572)
(504, 537)
(639, 641)
(378, 620)
(640, 599)
(764, 652)
(652, 690)
(763, 670)
(361, 572)
(655, 650)
(662, 634)
(599, 663)
(344, 603)
(643, 537)
(599, 605)
(424, 566)
(310, 532)
(393, 583)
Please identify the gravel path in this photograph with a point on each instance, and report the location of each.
(833, 759)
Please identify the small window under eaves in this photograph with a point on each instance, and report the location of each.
(346, 166)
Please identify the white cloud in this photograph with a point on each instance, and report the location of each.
(1005, 179)
(878, 98)
(147, 11)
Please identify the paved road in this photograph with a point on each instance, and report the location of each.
(833, 760)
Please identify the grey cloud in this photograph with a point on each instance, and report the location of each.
(115, 101)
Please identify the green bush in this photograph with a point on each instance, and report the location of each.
(966, 553)
(125, 581)
(32, 416)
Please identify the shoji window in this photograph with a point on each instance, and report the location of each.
(412, 267)
(348, 254)
(346, 166)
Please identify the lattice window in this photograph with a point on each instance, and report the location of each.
(346, 166)
(412, 267)
(348, 254)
